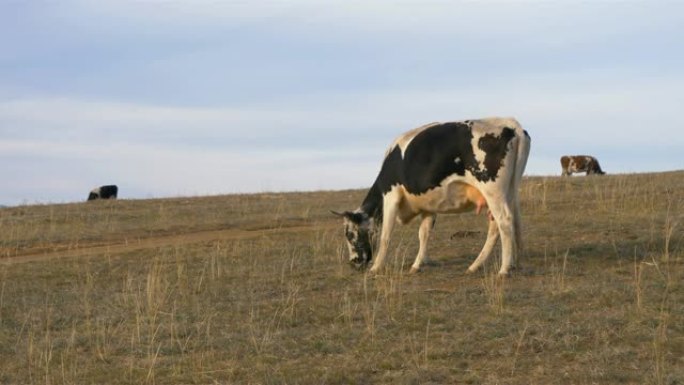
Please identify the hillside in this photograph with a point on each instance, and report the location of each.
(255, 289)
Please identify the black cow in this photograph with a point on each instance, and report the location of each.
(104, 192)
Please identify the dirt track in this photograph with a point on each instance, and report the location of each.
(119, 247)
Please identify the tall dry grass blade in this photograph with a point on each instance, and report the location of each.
(494, 290)
(638, 289)
(518, 345)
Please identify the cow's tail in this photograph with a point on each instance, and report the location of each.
(520, 162)
(521, 151)
(521, 158)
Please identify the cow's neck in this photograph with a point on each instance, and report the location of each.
(372, 204)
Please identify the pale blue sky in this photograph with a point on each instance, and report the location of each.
(169, 98)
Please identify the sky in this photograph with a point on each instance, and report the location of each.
(183, 98)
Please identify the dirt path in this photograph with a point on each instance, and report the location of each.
(158, 241)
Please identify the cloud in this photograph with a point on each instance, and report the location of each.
(499, 26)
(441, 16)
(584, 109)
(610, 107)
(208, 96)
(85, 121)
(211, 53)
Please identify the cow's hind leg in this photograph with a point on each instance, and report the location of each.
(423, 235)
(503, 214)
(492, 237)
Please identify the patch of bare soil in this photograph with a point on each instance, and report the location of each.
(128, 245)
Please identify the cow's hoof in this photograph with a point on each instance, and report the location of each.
(414, 270)
(470, 271)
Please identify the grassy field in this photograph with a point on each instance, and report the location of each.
(255, 289)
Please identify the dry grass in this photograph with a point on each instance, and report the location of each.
(254, 289)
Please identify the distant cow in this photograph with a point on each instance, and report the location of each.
(445, 168)
(104, 192)
(580, 163)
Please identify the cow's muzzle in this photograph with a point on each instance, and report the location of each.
(359, 263)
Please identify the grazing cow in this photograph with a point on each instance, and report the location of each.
(580, 163)
(104, 192)
(445, 168)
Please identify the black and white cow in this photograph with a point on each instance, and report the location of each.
(580, 163)
(104, 192)
(445, 168)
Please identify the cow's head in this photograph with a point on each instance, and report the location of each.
(357, 231)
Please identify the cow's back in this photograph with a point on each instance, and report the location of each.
(472, 150)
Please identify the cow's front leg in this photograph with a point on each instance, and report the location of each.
(389, 214)
(423, 235)
(387, 226)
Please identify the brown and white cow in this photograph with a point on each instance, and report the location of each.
(580, 163)
(439, 168)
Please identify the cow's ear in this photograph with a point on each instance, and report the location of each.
(351, 216)
(344, 214)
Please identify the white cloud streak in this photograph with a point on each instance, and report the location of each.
(578, 104)
(67, 171)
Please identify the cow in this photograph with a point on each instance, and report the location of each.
(103, 192)
(580, 163)
(450, 167)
